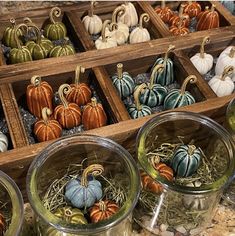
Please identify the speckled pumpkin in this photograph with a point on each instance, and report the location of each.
(164, 12)
(193, 9)
(2, 225)
(180, 28)
(65, 49)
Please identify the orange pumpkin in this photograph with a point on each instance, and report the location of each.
(102, 210)
(165, 171)
(149, 184)
(175, 19)
(164, 12)
(93, 115)
(39, 95)
(68, 114)
(46, 128)
(193, 9)
(179, 29)
(80, 93)
(207, 9)
(2, 225)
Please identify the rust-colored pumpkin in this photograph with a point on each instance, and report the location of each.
(68, 114)
(39, 95)
(93, 115)
(179, 29)
(2, 225)
(164, 170)
(80, 93)
(193, 9)
(47, 128)
(149, 184)
(164, 12)
(102, 210)
(175, 19)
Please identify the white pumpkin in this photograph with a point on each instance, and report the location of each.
(3, 142)
(203, 61)
(223, 85)
(92, 23)
(130, 18)
(140, 34)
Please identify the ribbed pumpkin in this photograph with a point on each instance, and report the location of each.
(179, 97)
(2, 225)
(186, 160)
(84, 192)
(154, 94)
(103, 210)
(80, 92)
(149, 184)
(164, 12)
(55, 30)
(39, 95)
(68, 114)
(165, 77)
(47, 128)
(175, 19)
(123, 82)
(3, 142)
(165, 171)
(180, 28)
(93, 115)
(193, 9)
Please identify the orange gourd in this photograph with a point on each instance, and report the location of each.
(164, 12)
(193, 9)
(149, 184)
(175, 19)
(164, 170)
(179, 29)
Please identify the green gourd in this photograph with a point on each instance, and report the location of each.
(179, 97)
(55, 30)
(154, 94)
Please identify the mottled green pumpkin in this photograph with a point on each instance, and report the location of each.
(62, 50)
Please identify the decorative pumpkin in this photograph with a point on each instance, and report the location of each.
(164, 12)
(207, 10)
(103, 41)
(92, 23)
(85, 192)
(55, 30)
(65, 49)
(103, 210)
(46, 128)
(21, 53)
(179, 29)
(140, 34)
(68, 114)
(203, 61)
(130, 18)
(149, 184)
(164, 171)
(3, 142)
(175, 19)
(209, 19)
(193, 9)
(138, 110)
(166, 76)
(93, 115)
(39, 95)
(2, 225)
(80, 93)
(223, 85)
(123, 82)
(154, 94)
(179, 97)
(186, 160)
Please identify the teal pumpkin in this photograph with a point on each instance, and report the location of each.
(186, 160)
(65, 49)
(123, 82)
(84, 192)
(154, 94)
(179, 97)
(230, 5)
(55, 30)
(166, 76)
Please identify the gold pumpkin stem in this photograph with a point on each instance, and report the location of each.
(192, 79)
(113, 26)
(181, 10)
(64, 89)
(119, 70)
(119, 11)
(143, 17)
(205, 41)
(67, 215)
(46, 112)
(55, 12)
(105, 24)
(93, 4)
(102, 206)
(27, 20)
(93, 102)
(163, 4)
(94, 170)
(228, 70)
(213, 7)
(78, 71)
(16, 36)
(191, 149)
(37, 30)
(13, 21)
(137, 95)
(36, 80)
(156, 69)
(232, 52)
(169, 50)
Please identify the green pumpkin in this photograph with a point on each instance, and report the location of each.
(179, 97)
(186, 160)
(154, 94)
(123, 82)
(55, 30)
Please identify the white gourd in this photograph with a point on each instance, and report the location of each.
(140, 34)
(223, 85)
(3, 142)
(92, 23)
(203, 61)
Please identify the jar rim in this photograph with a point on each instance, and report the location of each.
(57, 223)
(174, 115)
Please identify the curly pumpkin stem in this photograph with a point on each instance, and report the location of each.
(93, 102)
(113, 26)
(102, 206)
(46, 112)
(67, 214)
(105, 24)
(156, 69)
(64, 89)
(16, 36)
(37, 30)
(213, 7)
(78, 71)
(163, 4)
(91, 11)
(232, 52)
(191, 149)
(36, 80)
(94, 170)
(143, 17)
(205, 41)
(182, 18)
(169, 50)
(27, 20)
(228, 70)
(13, 21)
(137, 95)
(181, 10)
(119, 11)
(119, 70)
(55, 12)
(192, 79)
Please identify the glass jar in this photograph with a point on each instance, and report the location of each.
(56, 160)
(11, 206)
(183, 205)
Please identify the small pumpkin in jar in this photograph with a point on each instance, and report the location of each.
(3, 142)
(179, 29)
(175, 19)
(164, 12)
(80, 92)
(193, 9)
(65, 49)
(47, 128)
(68, 114)
(55, 30)
(84, 192)
(2, 224)
(164, 171)
(93, 115)
(150, 184)
(103, 210)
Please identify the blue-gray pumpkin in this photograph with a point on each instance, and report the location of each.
(229, 5)
(154, 94)
(179, 97)
(166, 76)
(186, 160)
(123, 82)
(84, 192)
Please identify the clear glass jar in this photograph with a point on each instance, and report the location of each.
(11, 206)
(183, 208)
(53, 163)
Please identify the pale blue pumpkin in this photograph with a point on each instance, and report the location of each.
(230, 5)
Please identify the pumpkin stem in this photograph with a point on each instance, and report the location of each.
(16, 36)
(137, 95)
(205, 41)
(228, 70)
(37, 30)
(36, 80)
(64, 89)
(119, 11)
(158, 68)
(182, 18)
(67, 214)
(191, 149)
(169, 50)
(105, 24)
(181, 10)
(78, 71)
(232, 52)
(55, 12)
(102, 206)
(13, 21)
(27, 20)
(163, 4)
(192, 79)
(46, 112)
(213, 7)
(143, 17)
(94, 170)
(93, 102)
(119, 70)
(113, 26)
